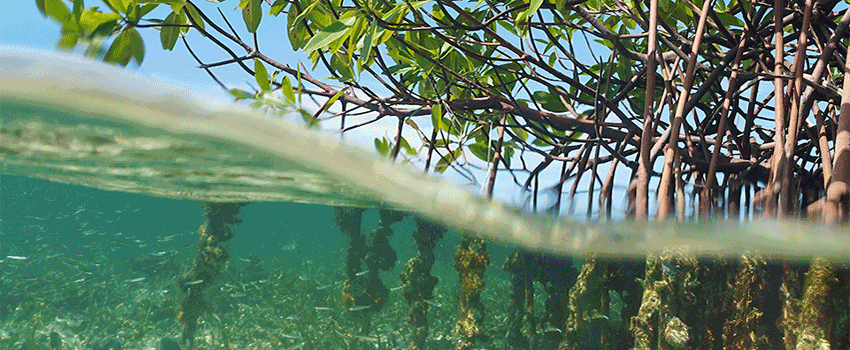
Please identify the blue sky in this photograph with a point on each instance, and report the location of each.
(22, 25)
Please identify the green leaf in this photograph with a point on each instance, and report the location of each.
(560, 5)
(133, 13)
(192, 11)
(286, 88)
(437, 117)
(252, 14)
(41, 7)
(277, 7)
(406, 146)
(241, 94)
(297, 32)
(166, 2)
(99, 24)
(383, 146)
(342, 65)
(168, 35)
(507, 154)
(57, 10)
(312, 123)
(331, 101)
(549, 101)
(298, 78)
(261, 75)
(539, 143)
(480, 150)
(520, 133)
(412, 124)
(147, 9)
(78, 9)
(447, 159)
(126, 46)
(533, 6)
(119, 6)
(327, 35)
(366, 49)
(68, 41)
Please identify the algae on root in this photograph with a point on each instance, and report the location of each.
(471, 260)
(418, 283)
(210, 258)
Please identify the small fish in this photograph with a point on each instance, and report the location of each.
(296, 347)
(361, 273)
(393, 289)
(322, 308)
(192, 283)
(369, 339)
(15, 257)
(238, 295)
(358, 308)
(158, 254)
(289, 336)
(549, 328)
(433, 303)
(137, 279)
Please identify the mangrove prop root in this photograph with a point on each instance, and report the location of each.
(743, 329)
(790, 293)
(349, 221)
(817, 312)
(588, 307)
(210, 258)
(668, 302)
(418, 283)
(520, 265)
(471, 260)
(365, 293)
(558, 275)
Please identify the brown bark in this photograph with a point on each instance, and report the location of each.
(838, 192)
(779, 162)
(644, 165)
(683, 99)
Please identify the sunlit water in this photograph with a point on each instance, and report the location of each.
(98, 267)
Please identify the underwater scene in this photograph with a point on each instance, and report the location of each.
(83, 268)
(90, 269)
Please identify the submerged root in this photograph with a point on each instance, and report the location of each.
(210, 258)
(471, 260)
(418, 283)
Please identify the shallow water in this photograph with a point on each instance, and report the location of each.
(96, 266)
(109, 264)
